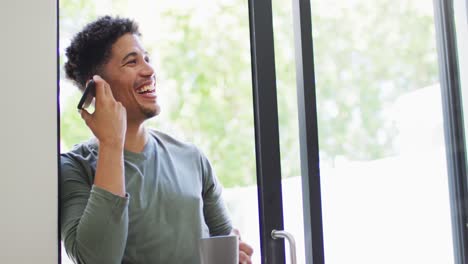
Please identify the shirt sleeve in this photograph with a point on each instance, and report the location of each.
(214, 209)
(94, 222)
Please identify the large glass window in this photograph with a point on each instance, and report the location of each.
(382, 152)
(201, 52)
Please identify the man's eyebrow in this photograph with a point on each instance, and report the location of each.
(133, 53)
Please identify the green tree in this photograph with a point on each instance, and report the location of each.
(366, 55)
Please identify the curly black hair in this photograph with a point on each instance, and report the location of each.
(90, 48)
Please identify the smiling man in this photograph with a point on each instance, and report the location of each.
(132, 194)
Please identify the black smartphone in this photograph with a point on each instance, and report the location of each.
(88, 95)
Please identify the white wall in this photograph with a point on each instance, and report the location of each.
(28, 132)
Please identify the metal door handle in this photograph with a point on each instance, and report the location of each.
(275, 234)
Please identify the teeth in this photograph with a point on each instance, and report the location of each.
(145, 88)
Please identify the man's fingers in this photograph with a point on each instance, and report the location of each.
(102, 88)
(244, 258)
(99, 87)
(244, 247)
(245, 251)
(86, 116)
(107, 90)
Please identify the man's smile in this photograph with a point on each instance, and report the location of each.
(147, 89)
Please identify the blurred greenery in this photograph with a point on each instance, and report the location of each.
(366, 55)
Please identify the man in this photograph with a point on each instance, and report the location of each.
(132, 195)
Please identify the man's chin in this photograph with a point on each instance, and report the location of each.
(151, 112)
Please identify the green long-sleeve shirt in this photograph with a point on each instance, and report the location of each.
(173, 199)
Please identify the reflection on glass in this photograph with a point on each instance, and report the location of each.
(382, 155)
(201, 52)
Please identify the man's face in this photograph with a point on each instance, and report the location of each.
(132, 78)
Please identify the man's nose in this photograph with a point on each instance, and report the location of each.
(147, 70)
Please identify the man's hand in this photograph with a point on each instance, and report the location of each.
(109, 124)
(245, 250)
(109, 120)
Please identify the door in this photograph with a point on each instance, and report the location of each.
(376, 180)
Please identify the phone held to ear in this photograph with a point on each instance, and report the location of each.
(88, 95)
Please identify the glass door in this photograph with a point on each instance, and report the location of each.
(379, 188)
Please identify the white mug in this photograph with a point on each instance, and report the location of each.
(219, 250)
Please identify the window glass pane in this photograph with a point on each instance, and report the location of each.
(382, 151)
(201, 52)
(384, 177)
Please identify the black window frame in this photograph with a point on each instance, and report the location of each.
(453, 125)
(267, 131)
